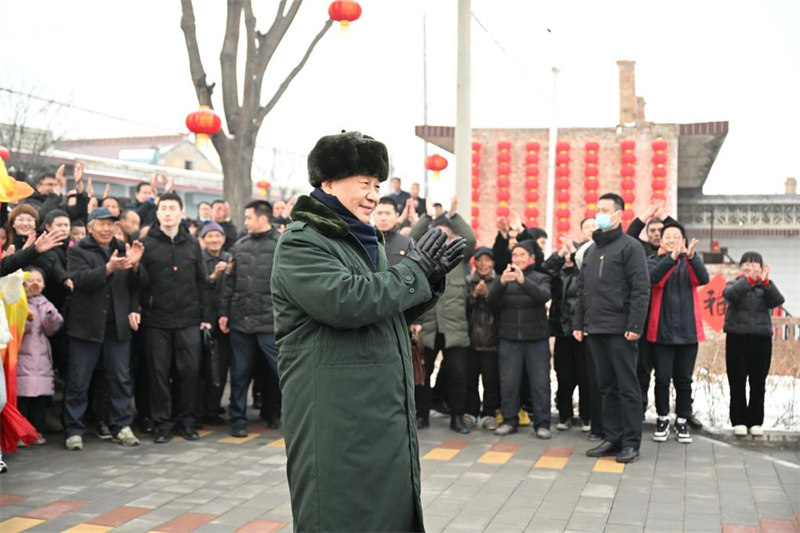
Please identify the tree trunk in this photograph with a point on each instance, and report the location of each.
(237, 186)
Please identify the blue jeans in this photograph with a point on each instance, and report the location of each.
(245, 347)
(536, 355)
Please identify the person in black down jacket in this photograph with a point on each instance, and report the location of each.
(105, 307)
(174, 309)
(615, 291)
(246, 308)
(524, 334)
(483, 322)
(675, 327)
(569, 355)
(748, 345)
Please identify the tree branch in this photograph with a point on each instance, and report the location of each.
(252, 76)
(262, 111)
(202, 88)
(227, 61)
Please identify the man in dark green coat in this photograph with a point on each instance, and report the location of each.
(341, 321)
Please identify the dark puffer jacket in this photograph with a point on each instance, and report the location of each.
(176, 293)
(674, 308)
(522, 313)
(483, 320)
(564, 287)
(749, 305)
(246, 294)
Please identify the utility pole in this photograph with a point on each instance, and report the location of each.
(426, 190)
(551, 168)
(463, 135)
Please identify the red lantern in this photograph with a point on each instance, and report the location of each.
(562, 225)
(590, 213)
(628, 214)
(562, 196)
(628, 145)
(659, 145)
(562, 159)
(659, 159)
(502, 211)
(504, 146)
(503, 170)
(591, 159)
(532, 159)
(344, 12)
(658, 196)
(562, 183)
(5, 153)
(503, 157)
(659, 172)
(532, 196)
(628, 172)
(475, 224)
(591, 184)
(202, 123)
(532, 146)
(628, 158)
(591, 171)
(436, 163)
(476, 183)
(563, 213)
(476, 158)
(476, 146)
(531, 212)
(592, 146)
(628, 197)
(562, 146)
(503, 183)
(531, 184)
(475, 212)
(503, 196)
(476, 196)
(263, 185)
(628, 184)
(591, 197)
(562, 171)
(659, 185)
(476, 171)
(532, 171)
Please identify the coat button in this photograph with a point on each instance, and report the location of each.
(408, 278)
(411, 290)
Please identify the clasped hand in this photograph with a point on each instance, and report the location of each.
(435, 256)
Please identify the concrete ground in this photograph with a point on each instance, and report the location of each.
(474, 482)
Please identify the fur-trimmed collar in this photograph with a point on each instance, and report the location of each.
(321, 218)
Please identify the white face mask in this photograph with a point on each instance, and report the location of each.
(603, 221)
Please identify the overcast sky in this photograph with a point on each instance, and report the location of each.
(695, 62)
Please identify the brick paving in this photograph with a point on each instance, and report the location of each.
(475, 482)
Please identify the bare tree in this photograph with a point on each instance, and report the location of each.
(243, 119)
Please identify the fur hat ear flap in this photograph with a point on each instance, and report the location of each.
(347, 154)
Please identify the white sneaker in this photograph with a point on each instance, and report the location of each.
(74, 442)
(757, 431)
(586, 427)
(40, 440)
(489, 422)
(740, 430)
(565, 425)
(469, 420)
(126, 437)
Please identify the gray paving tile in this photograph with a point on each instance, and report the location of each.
(580, 521)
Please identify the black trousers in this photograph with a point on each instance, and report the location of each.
(594, 391)
(569, 360)
(210, 397)
(675, 362)
(483, 364)
(34, 408)
(457, 364)
(747, 358)
(166, 348)
(644, 368)
(615, 366)
(141, 388)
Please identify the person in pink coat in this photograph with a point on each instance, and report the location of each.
(35, 361)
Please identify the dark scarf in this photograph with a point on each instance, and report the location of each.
(364, 233)
(601, 238)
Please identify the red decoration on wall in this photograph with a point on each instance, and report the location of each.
(503, 181)
(628, 184)
(532, 170)
(476, 183)
(590, 184)
(659, 183)
(503, 157)
(531, 183)
(532, 147)
(562, 186)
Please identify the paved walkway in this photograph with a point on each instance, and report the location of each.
(476, 482)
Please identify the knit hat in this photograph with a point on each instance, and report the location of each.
(670, 223)
(532, 247)
(346, 154)
(484, 250)
(211, 226)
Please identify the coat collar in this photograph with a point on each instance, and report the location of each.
(321, 218)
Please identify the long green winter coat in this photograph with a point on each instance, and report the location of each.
(449, 317)
(346, 376)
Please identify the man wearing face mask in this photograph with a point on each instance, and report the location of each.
(615, 291)
(341, 321)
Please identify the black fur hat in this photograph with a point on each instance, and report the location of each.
(347, 154)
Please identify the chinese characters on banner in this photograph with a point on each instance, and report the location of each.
(712, 305)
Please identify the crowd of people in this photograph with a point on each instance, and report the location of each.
(146, 315)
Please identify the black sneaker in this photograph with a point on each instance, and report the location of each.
(103, 432)
(694, 423)
(682, 432)
(662, 430)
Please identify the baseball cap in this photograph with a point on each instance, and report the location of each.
(101, 213)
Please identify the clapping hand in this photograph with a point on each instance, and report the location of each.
(46, 241)
(481, 290)
(117, 262)
(691, 251)
(133, 253)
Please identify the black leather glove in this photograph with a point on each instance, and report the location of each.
(428, 252)
(453, 256)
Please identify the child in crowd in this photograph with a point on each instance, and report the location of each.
(77, 232)
(748, 344)
(35, 364)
